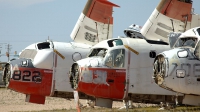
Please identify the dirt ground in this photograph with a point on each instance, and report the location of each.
(14, 101)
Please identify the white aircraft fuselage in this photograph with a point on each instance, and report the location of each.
(179, 69)
(42, 68)
(120, 69)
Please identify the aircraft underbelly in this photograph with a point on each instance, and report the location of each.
(104, 83)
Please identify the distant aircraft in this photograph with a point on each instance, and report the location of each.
(121, 68)
(42, 68)
(179, 69)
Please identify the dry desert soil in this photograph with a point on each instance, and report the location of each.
(14, 101)
(11, 101)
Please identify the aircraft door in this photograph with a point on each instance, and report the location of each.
(116, 76)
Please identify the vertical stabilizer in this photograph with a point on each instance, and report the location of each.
(170, 16)
(95, 22)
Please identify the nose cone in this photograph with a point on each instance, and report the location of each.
(84, 63)
(21, 76)
(13, 71)
(159, 69)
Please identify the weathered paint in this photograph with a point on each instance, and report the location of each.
(102, 82)
(178, 69)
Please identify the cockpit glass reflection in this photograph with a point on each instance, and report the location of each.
(186, 42)
(98, 52)
(115, 58)
(115, 42)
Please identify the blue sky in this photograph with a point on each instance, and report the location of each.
(23, 22)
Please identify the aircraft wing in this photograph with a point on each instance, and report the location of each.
(95, 22)
(170, 16)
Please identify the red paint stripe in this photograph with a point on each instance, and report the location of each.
(36, 99)
(30, 87)
(112, 90)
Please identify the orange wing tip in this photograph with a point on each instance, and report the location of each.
(108, 3)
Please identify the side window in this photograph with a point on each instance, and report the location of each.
(44, 45)
(115, 42)
(152, 54)
(115, 58)
(197, 51)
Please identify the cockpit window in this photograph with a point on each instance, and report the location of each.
(98, 52)
(115, 42)
(115, 58)
(45, 45)
(186, 42)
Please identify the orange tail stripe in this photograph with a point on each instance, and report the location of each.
(100, 10)
(175, 9)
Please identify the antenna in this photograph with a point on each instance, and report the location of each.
(8, 51)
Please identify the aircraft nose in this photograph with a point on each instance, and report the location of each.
(74, 76)
(159, 69)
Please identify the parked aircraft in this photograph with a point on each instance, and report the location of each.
(42, 68)
(178, 69)
(120, 68)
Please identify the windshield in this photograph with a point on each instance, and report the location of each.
(186, 42)
(115, 58)
(98, 52)
(28, 53)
